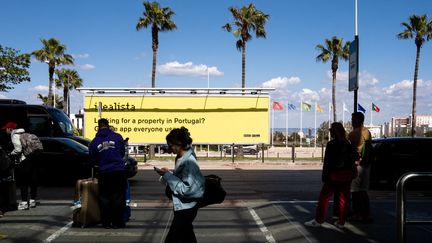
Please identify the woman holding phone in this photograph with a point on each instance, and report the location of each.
(186, 183)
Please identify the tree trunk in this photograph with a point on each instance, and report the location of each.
(414, 115)
(154, 68)
(51, 81)
(155, 44)
(65, 98)
(334, 95)
(244, 65)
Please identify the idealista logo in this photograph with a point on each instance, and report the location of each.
(116, 106)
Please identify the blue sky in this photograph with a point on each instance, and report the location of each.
(109, 52)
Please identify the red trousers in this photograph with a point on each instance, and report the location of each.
(343, 188)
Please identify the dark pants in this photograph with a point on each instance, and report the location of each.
(181, 230)
(360, 205)
(27, 177)
(112, 198)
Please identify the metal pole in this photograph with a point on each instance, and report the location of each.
(358, 44)
(262, 153)
(232, 153)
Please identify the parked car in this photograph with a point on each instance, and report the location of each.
(62, 160)
(397, 156)
(66, 160)
(247, 149)
(163, 148)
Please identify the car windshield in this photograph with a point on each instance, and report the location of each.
(63, 121)
(75, 145)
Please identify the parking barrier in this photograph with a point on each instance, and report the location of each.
(401, 204)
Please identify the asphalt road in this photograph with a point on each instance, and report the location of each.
(265, 203)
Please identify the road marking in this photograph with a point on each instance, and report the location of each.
(268, 235)
(58, 232)
(166, 227)
(291, 222)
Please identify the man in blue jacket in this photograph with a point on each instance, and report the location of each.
(107, 150)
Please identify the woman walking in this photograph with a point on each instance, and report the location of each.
(187, 185)
(338, 171)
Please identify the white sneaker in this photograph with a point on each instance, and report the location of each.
(23, 206)
(338, 225)
(32, 203)
(76, 205)
(312, 223)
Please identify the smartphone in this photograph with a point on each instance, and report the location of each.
(158, 170)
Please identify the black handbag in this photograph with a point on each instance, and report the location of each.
(213, 194)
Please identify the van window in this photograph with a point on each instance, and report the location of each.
(62, 120)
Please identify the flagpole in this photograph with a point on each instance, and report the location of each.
(301, 121)
(272, 140)
(343, 114)
(315, 124)
(329, 115)
(371, 115)
(286, 125)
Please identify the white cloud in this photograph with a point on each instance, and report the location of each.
(80, 56)
(368, 79)
(401, 86)
(39, 88)
(187, 69)
(280, 82)
(86, 67)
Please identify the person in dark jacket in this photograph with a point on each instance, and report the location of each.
(107, 150)
(337, 174)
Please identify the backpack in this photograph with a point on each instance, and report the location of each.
(30, 144)
(5, 161)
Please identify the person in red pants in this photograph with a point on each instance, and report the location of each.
(338, 171)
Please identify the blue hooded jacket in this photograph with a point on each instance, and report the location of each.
(107, 150)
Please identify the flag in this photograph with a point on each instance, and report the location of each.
(318, 108)
(375, 108)
(305, 106)
(344, 107)
(291, 106)
(277, 106)
(360, 108)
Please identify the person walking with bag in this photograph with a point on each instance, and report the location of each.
(25, 168)
(360, 138)
(338, 171)
(187, 185)
(107, 150)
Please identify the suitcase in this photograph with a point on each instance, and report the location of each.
(8, 199)
(87, 191)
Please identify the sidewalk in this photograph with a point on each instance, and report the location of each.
(243, 164)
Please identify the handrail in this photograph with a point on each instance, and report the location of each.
(401, 204)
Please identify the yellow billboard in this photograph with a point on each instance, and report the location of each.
(210, 119)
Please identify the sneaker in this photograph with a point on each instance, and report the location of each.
(312, 223)
(32, 203)
(339, 225)
(23, 206)
(76, 205)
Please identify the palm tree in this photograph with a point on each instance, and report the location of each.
(159, 19)
(44, 100)
(68, 79)
(246, 20)
(52, 53)
(333, 49)
(418, 29)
